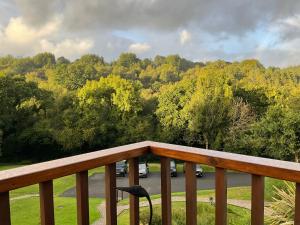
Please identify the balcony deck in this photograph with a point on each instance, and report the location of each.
(44, 173)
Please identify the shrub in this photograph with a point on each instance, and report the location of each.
(282, 210)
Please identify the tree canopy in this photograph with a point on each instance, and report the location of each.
(52, 107)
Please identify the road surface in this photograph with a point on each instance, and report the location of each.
(152, 183)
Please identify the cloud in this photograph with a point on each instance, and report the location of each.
(38, 12)
(18, 32)
(68, 48)
(230, 29)
(231, 16)
(185, 37)
(19, 38)
(139, 48)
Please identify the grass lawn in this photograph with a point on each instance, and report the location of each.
(240, 193)
(205, 211)
(26, 210)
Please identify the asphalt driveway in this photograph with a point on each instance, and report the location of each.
(152, 183)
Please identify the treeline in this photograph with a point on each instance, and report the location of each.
(53, 107)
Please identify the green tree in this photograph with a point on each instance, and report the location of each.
(208, 111)
(107, 106)
(75, 75)
(23, 105)
(44, 59)
(278, 133)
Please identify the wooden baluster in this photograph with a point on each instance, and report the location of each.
(4, 209)
(257, 200)
(82, 194)
(297, 205)
(165, 191)
(221, 197)
(110, 194)
(134, 180)
(191, 193)
(46, 203)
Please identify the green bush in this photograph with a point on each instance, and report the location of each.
(283, 208)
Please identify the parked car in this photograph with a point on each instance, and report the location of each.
(199, 170)
(173, 168)
(143, 170)
(121, 168)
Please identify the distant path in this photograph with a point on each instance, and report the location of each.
(240, 203)
(24, 196)
(152, 183)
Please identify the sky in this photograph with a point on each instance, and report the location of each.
(199, 30)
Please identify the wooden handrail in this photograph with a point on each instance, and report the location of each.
(36, 173)
(44, 173)
(27, 175)
(278, 169)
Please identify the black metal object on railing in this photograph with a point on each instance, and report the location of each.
(140, 192)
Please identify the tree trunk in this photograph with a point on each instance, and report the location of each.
(297, 157)
(206, 141)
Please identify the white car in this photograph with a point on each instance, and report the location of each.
(173, 168)
(143, 170)
(121, 168)
(199, 171)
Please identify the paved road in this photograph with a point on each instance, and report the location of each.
(152, 183)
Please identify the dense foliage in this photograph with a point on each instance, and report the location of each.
(52, 107)
(282, 209)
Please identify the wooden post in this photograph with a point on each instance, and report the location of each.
(110, 194)
(166, 211)
(257, 200)
(221, 196)
(46, 203)
(82, 193)
(134, 180)
(191, 193)
(4, 209)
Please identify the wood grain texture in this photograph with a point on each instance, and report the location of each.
(191, 193)
(257, 200)
(82, 196)
(110, 194)
(134, 180)
(166, 206)
(36, 173)
(4, 209)
(46, 203)
(249, 164)
(221, 196)
(297, 205)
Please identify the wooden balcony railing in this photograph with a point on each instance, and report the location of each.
(44, 173)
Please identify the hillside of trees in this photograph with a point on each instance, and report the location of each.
(54, 107)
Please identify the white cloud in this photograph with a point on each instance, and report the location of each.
(293, 21)
(139, 48)
(68, 47)
(18, 32)
(20, 38)
(185, 37)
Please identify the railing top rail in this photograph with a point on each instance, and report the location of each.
(35, 173)
(249, 164)
(32, 174)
